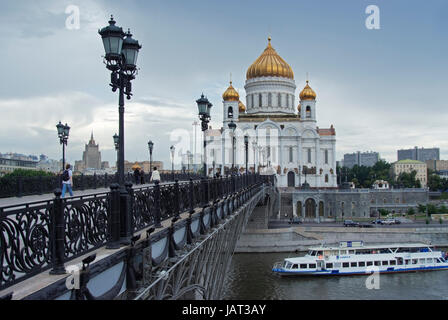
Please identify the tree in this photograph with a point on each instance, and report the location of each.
(411, 211)
(432, 209)
(421, 208)
(27, 173)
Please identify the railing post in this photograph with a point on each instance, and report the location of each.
(57, 235)
(177, 198)
(204, 194)
(19, 187)
(82, 181)
(114, 217)
(191, 196)
(94, 180)
(157, 223)
(126, 213)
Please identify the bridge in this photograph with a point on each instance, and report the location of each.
(164, 241)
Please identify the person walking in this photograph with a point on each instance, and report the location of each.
(137, 175)
(67, 180)
(155, 175)
(142, 176)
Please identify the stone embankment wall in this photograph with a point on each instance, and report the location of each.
(300, 238)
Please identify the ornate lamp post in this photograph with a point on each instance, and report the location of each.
(204, 107)
(188, 160)
(172, 149)
(254, 146)
(121, 59)
(232, 126)
(63, 132)
(116, 141)
(150, 147)
(246, 144)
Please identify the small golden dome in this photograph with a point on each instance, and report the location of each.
(269, 64)
(230, 94)
(307, 93)
(241, 107)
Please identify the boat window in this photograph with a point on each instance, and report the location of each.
(414, 261)
(362, 264)
(342, 252)
(407, 261)
(303, 266)
(312, 265)
(438, 261)
(424, 250)
(329, 266)
(345, 265)
(392, 262)
(385, 263)
(377, 263)
(337, 264)
(400, 261)
(319, 253)
(429, 260)
(351, 251)
(353, 264)
(288, 265)
(369, 263)
(421, 261)
(295, 266)
(312, 253)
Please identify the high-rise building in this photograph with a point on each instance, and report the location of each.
(419, 154)
(368, 159)
(91, 157)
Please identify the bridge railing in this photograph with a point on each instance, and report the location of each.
(38, 236)
(25, 186)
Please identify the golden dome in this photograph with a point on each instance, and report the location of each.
(136, 166)
(269, 64)
(230, 94)
(241, 107)
(307, 93)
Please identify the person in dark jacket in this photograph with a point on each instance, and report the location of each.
(136, 175)
(142, 176)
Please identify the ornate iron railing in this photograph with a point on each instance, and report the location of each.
(41, 235)
(24, 186)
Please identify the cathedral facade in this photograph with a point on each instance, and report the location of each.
(282, 136)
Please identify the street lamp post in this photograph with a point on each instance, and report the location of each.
(232, 126)
(63, 132)
(204, 107)
(150, 147)
(246, 144)
(254, 145)
(121, 59)
(172, 149)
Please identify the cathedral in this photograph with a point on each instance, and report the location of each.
(282, 137)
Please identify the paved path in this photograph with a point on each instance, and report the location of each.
(4, 202)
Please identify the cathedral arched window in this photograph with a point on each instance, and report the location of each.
(291, 157)
(326, 178)
(230, 112)
(308, 112)
(326, 156)
(309, 155)
(269, 99)
(279, 99)
(287, 100)
(260, 100)
(252, 98)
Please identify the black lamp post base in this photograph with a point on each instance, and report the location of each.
(58, 271)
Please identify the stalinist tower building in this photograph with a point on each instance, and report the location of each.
(283, 134)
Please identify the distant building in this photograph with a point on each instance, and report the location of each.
(10, 162)
(368, 159)
(49, 165)
(437, 165)
(410, 165)
(421, 154)
(145, 165)
(381, 185)
(91, 157)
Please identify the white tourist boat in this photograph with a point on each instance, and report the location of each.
(351, 258)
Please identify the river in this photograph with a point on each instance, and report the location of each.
(250, 278)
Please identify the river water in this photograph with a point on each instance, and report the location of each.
(250, 278)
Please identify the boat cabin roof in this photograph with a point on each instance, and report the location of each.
(378, 246)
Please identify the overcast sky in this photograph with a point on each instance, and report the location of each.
(382, 90)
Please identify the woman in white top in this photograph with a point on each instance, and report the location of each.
(155, 176)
